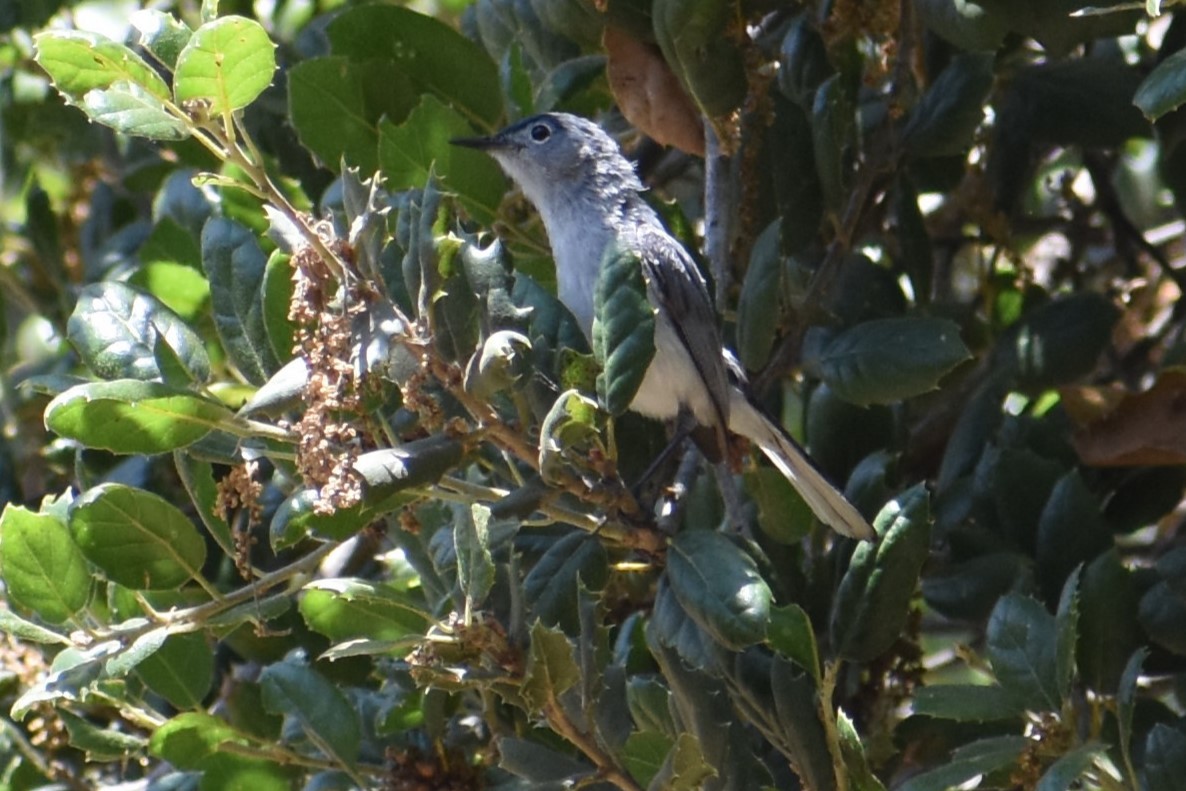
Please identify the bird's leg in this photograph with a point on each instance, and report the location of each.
(684, 425)
(731, 497)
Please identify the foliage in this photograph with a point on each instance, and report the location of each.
(308, 484)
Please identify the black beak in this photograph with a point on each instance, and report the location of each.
(480, 143)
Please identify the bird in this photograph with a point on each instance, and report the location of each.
(589, 198)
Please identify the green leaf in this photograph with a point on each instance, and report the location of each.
(198, 479)
(966, 703)
(1126, 702)
(344, 609)
(719, 586)
(42, 567)
(136, 538)
(623, 328)
(182, 289)
(694, 38)
(1069, 767)
(276, 293)
(1165, 759)
(129, 416)
(792, 636)
(187, 739)
(1023, 645)
(856, 762)
(144, 646)
(13, 624)
(1066, 620)
(551, 668)
(79, 62)
(227, 62)
(644, 754)
(833, 129)
(161, 34)
(318, 707)
(235, 266)
(116, 330)
(685, 767)
(409, 152)
(873, 601)
(977, 758)
(944, 120)
(336, 103)
(475, 568)
(649, 700)
(968, 24)
(757, 307)
(438, 60)
(130, 109)
(887, 360)
(180, 671)
(1062, 340)
(783, 514)
(1109, 629)
(1164, 90)
(551, 586)
(99, 744)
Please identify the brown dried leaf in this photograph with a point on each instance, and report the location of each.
(649, 94)
(1139, 429)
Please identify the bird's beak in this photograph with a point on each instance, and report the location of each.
(480, 143)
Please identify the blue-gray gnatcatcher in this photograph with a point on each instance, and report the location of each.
(589, 197)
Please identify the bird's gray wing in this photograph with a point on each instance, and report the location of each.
(679, 289)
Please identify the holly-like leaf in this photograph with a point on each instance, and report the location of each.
(317, 706)
(719, 586)
(226, 63)
(80, 62)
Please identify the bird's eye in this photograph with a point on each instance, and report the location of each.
(540, 133)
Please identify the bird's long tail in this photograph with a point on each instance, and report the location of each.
(828, 504)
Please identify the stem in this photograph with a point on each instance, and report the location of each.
(828, 718)
(720, 200)
(607, 765)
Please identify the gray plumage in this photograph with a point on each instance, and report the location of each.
(589, 195)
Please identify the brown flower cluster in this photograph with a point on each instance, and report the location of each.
(329, 441)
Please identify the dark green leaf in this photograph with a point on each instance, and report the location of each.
(227, 63)
(833, 126)
(965, 23)
(1066, 619)
(552, 584)
(42, 567)
(1165, 759)
(551, 668)
(792, 635)
(1164, 89)
(1023, 646)
(757, 307)
(783, 514)
(1062, 341)
(99, 744)
(623, 328)
(1109, 631)
(886, 360)
(977, 758)
(696, 45)
(873, 601)
(719, 586)
(317, 705)
(1070, 766)
(475, 567)
(1163, 617)
(948, 114)
(235, 266)
(136, 538)
(966, 703)
(116, 329)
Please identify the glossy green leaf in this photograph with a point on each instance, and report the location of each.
(410, 151)
(235, 266)
(1023, 646)
(693, 35)
(1070, 766)
(1126, 699)
(181, 671)
(623, 328)
(136, 538)
(792, 636)
(226, 63)
(42, 567)
(128, 108)
(129, 416)
(344, 609)
(720, 588)
(182, 288)
(873, 601)
(833, 128)
(80, 62)
(887, 360)
(161, 34)
(318, 706)
(198, 479)
(684, 768)
(276, 294)
(551, 586)
(783, 514)
(644, 754)
(1109, 628)
(116, 330)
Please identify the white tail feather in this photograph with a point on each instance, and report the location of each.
(828, 504)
